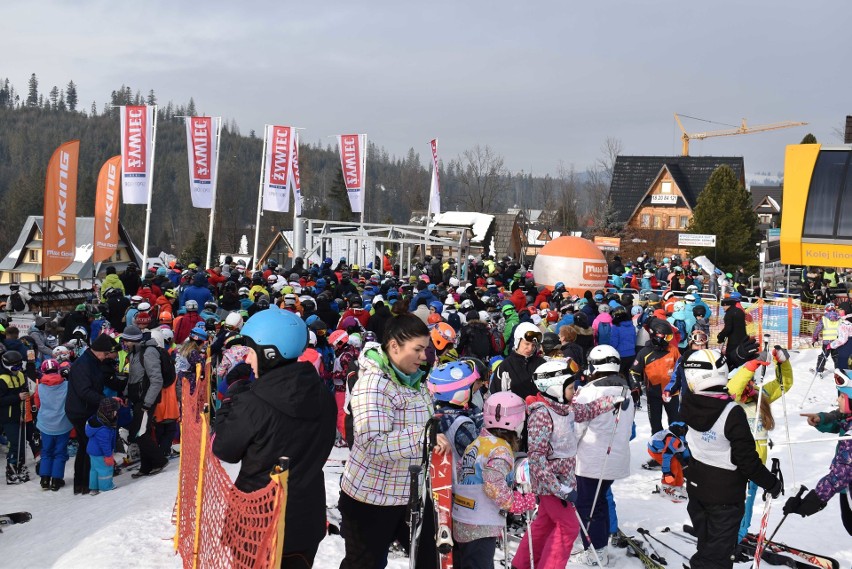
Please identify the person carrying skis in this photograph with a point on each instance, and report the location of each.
(390, 410)
(839, 477)
(724, 459)
(481, 485)
(14, 395)
(603, 451)
(287, 412)
(552, 452)
(827, 326)
(742, 387)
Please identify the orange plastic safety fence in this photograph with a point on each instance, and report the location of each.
(237, 529)
(189, 477)
(789, 323)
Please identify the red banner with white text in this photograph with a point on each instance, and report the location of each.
(137, 142)
(276, 175)
(203, 159)
(352, 160)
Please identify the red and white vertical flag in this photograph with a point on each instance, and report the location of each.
(106, 210)
(59, 239)
(137, 139)
(295, 179)
(203, 160)
(276, 176)
(435, 187)
(352, 160)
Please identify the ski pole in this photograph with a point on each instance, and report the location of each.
(414, 505)
(586, 534)
(805, 398)
(654, 554)
(685, 537)
(780, 378)
(759, 384)
(764, 520)
(624, 393)
(801, 491)
(826, 440)
(647, 533)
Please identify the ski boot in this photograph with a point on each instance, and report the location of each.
(45, 482)
(12, 475)
(56, 484)
(23, 473)
(617, 541)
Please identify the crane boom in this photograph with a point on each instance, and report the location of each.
(742, 129)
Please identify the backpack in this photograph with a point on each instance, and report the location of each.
(454, 321)
(498, 344)
(18, 304)
(604, 333)
(167, 367)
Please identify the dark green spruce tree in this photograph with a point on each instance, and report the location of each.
(724, 209)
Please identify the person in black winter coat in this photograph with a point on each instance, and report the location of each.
(723, 460)
(289, 412)
(326, 313)
(735, 324)
(515, 373)
(376, 323)
(85, 391)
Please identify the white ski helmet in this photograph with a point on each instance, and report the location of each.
(234, 320)
(603, 359)
(522, 330)
(551, 377)
(706, 372)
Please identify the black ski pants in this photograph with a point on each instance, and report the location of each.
(654, 394)
(368, 532)
(82, 464)
(716, 527)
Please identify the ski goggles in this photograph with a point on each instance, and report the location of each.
(666, 337)
(534, 337)
(843, 379)
(699, 337)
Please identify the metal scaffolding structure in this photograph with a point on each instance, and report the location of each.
(311, 235)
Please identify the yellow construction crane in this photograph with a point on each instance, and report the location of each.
(742, 129)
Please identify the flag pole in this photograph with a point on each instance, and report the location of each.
(259, 197)
(296, 240)
(208, 262)
(363, 201)
(150, 193)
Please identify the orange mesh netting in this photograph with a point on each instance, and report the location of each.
(219, 526)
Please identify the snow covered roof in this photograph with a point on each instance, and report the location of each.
(533, 237)
(479, 223)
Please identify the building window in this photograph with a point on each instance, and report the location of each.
(646, 220)
(34, 255)
(666, 188)
(658, 222)
(684, 220)
(672, 222)
(118, 254)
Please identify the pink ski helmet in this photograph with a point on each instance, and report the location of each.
(504, 410)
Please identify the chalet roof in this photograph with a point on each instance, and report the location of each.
(633, 175)
(16, 262)
(763, 194)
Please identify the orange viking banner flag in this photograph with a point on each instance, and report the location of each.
(106, 210)
(59, 244)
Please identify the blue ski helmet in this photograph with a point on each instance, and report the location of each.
(199, 334)
(276, 335)
(450, 383)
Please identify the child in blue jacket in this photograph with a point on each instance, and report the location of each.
(101, 432)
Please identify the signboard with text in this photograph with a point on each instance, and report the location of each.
(608, 243)
(696, 240)
(663, 199)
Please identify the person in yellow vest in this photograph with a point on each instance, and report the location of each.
(830, 275)
(827, 326)
(13, 399)
(742, 387)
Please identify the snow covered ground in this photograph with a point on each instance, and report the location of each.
(131, 526)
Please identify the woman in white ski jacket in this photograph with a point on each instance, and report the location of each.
(596, 470)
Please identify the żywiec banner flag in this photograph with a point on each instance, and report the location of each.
(106, 210)
(203, 161)
(59, 244)
(435, 187)
(276, 176)
(352, 161)
(294, 175)
(137, 139)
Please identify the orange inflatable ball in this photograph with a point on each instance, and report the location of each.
(575, 261)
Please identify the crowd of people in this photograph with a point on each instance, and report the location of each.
(534, 387)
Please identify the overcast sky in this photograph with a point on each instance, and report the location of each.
(540, 82)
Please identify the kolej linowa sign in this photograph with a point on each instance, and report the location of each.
(696, 240)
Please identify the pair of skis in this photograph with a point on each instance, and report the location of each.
(439, 481)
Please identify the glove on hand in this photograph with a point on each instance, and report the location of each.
(567, 494)
(522, 502)
(806, 506)
(109, 460)
(667, 396)
(668, 478)
(754, 364)
(747, 350)
(776, 489)
(780, 354)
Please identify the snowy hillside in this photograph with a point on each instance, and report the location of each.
(131, 526)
